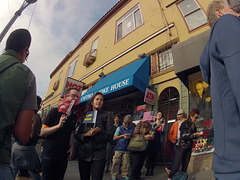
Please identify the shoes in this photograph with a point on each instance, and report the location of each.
(140, 178)
(126, 178)
(167, 170)
(114, 178)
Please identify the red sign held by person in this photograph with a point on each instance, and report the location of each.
(149, 96)
(73, 83)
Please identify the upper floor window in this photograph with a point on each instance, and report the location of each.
(60, 75)
(72, 67)
(165, 59)
(94, 47)
(193, 14)
(130, 21)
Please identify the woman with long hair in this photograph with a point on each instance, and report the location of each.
(93, 139)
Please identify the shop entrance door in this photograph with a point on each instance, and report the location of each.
(168, 105)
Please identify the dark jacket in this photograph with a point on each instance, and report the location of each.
(187, 130)
(94, 148)
(220, 62)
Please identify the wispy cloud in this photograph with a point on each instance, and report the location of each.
(56, 27)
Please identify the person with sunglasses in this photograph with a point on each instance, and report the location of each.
(188, 132)
(121, 157)
(57, 129)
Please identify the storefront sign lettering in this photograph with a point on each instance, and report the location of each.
(140, 108)
(207, 123)
(108, 89)
(202, 145)
(119, 84)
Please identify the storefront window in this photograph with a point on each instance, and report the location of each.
(199, 97)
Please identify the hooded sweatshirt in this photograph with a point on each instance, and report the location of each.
(220, 66)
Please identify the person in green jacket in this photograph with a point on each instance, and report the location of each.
(17, 97)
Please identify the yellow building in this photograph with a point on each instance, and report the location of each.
(154, 43)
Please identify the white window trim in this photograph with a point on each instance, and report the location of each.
(134, 22)
(74, 63)
(191, 12)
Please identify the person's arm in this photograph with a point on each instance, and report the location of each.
(23, 126)
(170, 134)
(117, 135)
(35, 126)
(70, 151)
(45, 131)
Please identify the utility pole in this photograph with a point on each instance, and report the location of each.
(25, 4)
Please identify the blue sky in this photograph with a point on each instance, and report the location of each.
(56, 27)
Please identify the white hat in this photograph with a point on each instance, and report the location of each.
(180, 111)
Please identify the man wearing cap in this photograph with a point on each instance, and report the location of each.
(122, 135)
(174, 134)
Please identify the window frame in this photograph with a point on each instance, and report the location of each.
(167, 50)
(198, 9)
(122, 19)
(74, 64)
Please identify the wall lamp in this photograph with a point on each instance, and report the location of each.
(142, 55)
(101, 75)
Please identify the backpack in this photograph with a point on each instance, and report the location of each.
(180, 176)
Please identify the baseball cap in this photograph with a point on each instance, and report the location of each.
(180, 111)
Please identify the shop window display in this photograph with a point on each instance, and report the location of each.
(199, 97)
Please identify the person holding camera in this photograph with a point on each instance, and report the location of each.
(122, 135)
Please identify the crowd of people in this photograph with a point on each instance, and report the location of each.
(103, 144)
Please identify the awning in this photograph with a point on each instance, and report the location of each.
(186, 55)
(125, 80)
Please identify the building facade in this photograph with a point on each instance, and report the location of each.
(144, 44)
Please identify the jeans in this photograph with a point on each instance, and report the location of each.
(5, 172)
(53, 168)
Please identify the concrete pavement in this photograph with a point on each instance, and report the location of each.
(159, 174)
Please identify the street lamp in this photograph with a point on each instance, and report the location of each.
(25, 4)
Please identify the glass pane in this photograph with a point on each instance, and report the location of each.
(138, 18)
(128, 25)
(128, 13)
(199, 96)
(119, 31)
(188, 6)
(165, 59)
(196, 19)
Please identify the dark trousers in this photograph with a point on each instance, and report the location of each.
(110, 153)
(181, 156)
(174, 150)
(151, 160)
(53, 168)
(138, 160)
(93, 168)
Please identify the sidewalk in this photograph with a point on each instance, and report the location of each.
(159, 174)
